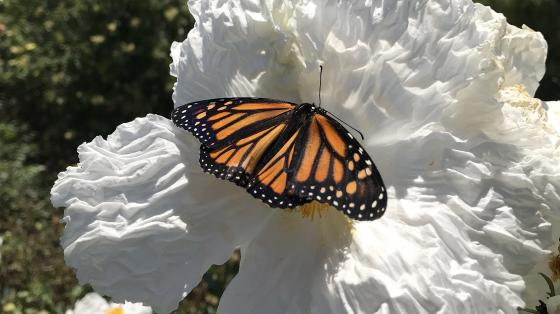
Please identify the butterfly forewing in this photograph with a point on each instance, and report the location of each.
(219, 122)
(234, 132)
(271, 181)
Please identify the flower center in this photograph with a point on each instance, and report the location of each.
(554, 265)
(115, 310)
(309, 210)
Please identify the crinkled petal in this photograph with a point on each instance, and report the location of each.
(442, 91)
(143, 223)
(331, 266)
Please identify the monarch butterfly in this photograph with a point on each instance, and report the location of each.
(285, 154)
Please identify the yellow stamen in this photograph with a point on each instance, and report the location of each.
(554, 265)
(333, 218)
(309, 210)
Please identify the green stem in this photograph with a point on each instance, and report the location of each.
(550, 284)
(527, 310)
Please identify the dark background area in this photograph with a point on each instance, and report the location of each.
(72, 70)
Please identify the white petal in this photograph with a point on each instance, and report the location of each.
(281, 266)
(554, 114)
(442, 91)
(132, 308)
(143, 222)
(388, 266)
(91, 303)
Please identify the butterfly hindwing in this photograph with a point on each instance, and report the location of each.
(271, 181)
(236, 161)
(331, 166)
(218, 122)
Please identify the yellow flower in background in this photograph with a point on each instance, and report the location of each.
(93, 303)
(97, 39)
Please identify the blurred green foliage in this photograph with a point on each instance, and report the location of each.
(32, 273)
(72, 70)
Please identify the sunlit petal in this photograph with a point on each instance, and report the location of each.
(143, 223)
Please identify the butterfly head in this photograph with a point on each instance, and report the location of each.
(306, 108)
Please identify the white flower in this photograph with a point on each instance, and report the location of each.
(553, 305)
(442, 91)
(554, 114)
(93, 303)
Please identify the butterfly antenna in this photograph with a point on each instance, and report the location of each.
(353, 128)
(332, 115)
(320, 79)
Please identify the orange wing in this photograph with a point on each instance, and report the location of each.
(321, 161)
(271, 180)
(220, 122)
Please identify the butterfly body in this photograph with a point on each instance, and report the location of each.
(285, 154)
